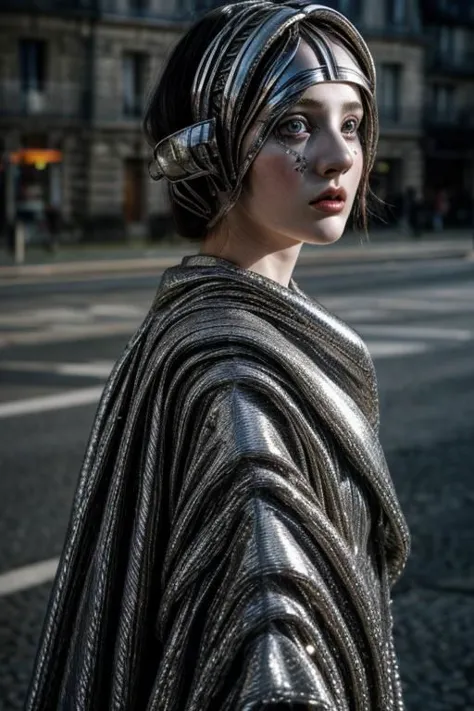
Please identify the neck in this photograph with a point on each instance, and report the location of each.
(268, 257)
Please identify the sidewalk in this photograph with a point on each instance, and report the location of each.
(105, 258)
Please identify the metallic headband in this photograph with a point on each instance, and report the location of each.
(221, 87)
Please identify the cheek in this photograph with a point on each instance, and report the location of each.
(356, 171)
(273, 176)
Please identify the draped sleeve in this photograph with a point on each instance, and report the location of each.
(262, 604)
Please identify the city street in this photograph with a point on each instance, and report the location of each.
(59, 337)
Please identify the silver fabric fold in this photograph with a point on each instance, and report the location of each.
(235, 532)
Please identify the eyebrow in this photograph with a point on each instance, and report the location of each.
(315, 104)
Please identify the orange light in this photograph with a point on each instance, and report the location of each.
(33, 156)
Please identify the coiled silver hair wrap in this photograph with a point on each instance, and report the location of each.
(212, 146)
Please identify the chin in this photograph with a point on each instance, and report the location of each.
(329, 230)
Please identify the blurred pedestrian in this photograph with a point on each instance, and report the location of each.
(235, 532)
(440, 209)
(52, 220)
(413, 212)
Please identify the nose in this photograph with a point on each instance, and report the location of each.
(331, 155)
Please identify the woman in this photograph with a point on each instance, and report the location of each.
(235, 532)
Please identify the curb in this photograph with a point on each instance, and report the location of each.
(373, 253)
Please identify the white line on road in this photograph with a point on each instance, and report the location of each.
(386, 349)
(117, 310)
(98, 330)
(449, 334)
(94, 369)
(419, 304)
(27, 577)
(72, 398)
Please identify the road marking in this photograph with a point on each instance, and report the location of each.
(449, 334)
(419, 304)
(98, 369)
(353, 315)
(386, 349)
(94, 369)
(72, 398)
(68, 334)
(117, 310)
(28, 577)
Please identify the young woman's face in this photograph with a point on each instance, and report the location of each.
(322, 126)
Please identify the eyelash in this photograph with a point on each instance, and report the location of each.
(303, 120)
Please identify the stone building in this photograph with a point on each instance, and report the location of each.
(73, 80)
(449, 106)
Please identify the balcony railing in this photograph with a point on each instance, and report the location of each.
(59, 100)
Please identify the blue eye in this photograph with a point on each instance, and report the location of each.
(292, 127)
(353, 125)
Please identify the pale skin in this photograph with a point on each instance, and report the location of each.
(266, 229)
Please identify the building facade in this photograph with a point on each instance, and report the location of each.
(74, 75)
(449, 107)
(73, 81)
(393, 31)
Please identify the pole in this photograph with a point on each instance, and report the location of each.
(19, 242)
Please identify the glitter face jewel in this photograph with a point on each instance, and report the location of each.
(301, 162)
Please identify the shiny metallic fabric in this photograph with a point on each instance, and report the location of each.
(228, 102)
(235, 531)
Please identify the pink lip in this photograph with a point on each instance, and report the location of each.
(330, 207)
(331, 201)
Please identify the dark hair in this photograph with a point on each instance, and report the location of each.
(169, 109)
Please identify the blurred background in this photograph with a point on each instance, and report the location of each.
(74, 76)
(85, 235)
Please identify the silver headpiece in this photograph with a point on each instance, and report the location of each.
(211, 147)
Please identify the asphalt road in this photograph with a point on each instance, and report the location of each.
(58, 341)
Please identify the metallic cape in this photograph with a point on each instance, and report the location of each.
(235, 532)
(228, 103)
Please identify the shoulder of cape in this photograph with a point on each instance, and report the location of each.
(231, 298)
(220, 314)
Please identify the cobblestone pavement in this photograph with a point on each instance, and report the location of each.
(434, 605)
(426, 379)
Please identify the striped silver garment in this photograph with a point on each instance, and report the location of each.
(235, 531)
(223, 86)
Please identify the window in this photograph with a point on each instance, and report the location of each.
(389, 91)
(398, 12)
(134, 67)
(138, 6)
(133, 195)
(450, 44)
(350, 8)
(446, 41)
(32, 65)
(443, 101)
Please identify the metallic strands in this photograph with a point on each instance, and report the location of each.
(188, 153)
(301, 162)
(221, 90)
(235, 532)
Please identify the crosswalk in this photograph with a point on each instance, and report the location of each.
(393, 323)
